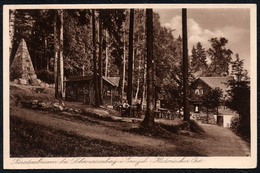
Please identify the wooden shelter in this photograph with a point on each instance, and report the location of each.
(81, 89)
(110, 90)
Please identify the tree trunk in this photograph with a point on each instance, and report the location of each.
(106, 71)
(100, 76)
(207, 113)
(185, 67)
(138, 81)
(133, 68)
(61, 57)
(123, 80)
(95, 80)
(149, 116)
(144, 76)
(46, 54)
(130, 58)
(56, 56)
(144, 85)
(155, 97)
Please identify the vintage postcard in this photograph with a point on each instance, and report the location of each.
(129, 86)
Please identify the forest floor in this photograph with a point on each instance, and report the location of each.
(37, 133)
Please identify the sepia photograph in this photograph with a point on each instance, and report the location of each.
(137, 86)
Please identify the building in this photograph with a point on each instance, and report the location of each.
(202, 84)
(111, 90)
(200, 88)
(224, 117)
(80, 89)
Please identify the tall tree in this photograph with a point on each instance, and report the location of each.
(78, 46)
(100, 60)
(198, 59)
(107, 60)
(149, 116)
(95, 78)
(58, 55)
(238, 69)
(186, 107)
(130, 59)
(124, 66)
(61, 74)
(138, 81)
(239, 95)
(56, 47)
(113, 20)
(220, 57)
(139, 77)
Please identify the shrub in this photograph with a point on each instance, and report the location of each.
(235, 124)
(242, 129)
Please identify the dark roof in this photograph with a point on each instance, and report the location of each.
(114, 81)
(216, 82)
(78, 78)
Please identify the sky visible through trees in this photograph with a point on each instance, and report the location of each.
(204, 24)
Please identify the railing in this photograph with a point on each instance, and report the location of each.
(136, 112)
(164, 113)
(131, 111)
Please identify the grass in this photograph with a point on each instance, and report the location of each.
(34, 140)
(28, 139)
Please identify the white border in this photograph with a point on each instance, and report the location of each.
(180, 162)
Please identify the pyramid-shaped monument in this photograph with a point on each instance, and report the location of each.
(22, 66)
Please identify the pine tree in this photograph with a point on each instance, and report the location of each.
(186, 108)
(149, 116)
(198, 59)
(130, 59)
(238, 69)
(56, 47)
(95, 78)
(100, 59)
(61, 71)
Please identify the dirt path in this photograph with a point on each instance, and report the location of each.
(91, 130)
(222, 141)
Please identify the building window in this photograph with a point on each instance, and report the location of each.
(199, 91)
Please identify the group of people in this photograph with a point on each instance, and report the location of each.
(131, 110)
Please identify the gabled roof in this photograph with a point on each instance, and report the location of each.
(114, 81)
(216, 82)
